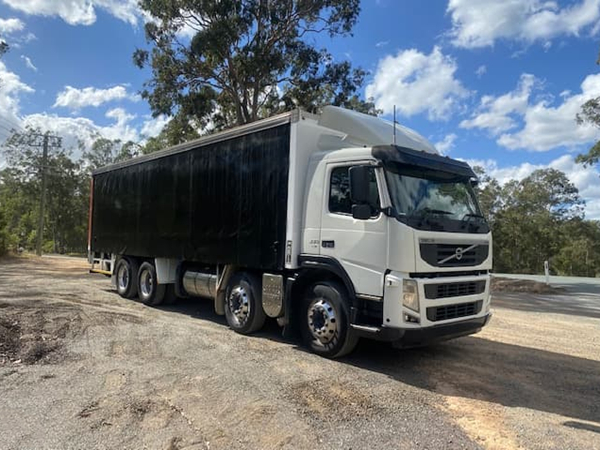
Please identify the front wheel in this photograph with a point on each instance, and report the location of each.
(243, 307)
(326, 320)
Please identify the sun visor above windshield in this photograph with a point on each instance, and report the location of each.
(420, 160)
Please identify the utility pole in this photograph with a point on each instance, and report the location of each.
(46, 141)
(40, 234)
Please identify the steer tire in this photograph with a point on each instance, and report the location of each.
(243, 304)
(126, 271)
(325, 320)
(149, 291)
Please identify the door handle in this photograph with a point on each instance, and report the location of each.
(328, 244)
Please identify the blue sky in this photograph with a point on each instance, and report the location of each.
(494, 82)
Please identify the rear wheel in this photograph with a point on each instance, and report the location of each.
(243, 308)
(126, 271)
(326, 320)
(149, 291)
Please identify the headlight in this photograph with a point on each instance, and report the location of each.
(410, 294)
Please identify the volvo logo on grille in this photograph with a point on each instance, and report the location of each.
(458, 253)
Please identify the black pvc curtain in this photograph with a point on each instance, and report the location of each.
(221, 203)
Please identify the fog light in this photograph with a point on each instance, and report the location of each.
(410, 294)
(410, 319)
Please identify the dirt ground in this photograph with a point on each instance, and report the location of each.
(81, 367)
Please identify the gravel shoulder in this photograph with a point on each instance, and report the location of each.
(82, 368)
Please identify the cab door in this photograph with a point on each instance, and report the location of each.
(360, 246)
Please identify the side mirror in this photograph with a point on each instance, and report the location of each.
(361, 212)
(359, 185)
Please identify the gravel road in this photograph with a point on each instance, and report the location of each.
(82, 368)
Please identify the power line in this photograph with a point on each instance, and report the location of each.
(13, 125)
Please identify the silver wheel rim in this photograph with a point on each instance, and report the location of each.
(146, 283)
(239, 306)
(322, 321)
(123, 277)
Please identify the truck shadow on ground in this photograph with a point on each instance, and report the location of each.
(505, 374)
(470, 367)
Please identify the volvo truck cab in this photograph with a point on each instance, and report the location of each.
(404, 225)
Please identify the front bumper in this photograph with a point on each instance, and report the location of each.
(416, 337)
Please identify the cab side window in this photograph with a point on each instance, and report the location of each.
(339, 192)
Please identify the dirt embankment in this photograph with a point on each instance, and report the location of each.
(500, 284)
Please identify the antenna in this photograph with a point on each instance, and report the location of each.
(394, 136)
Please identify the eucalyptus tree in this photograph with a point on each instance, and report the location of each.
(220, 63)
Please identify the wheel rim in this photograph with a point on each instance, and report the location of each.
(146, 283)
(239, 305)
(322, 321)
(123, 277)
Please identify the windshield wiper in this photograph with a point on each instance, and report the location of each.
(428, 211)
(467, 221)
(476, 216)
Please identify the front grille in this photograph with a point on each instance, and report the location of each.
(447, 312)
(445, 290)
(454, 255)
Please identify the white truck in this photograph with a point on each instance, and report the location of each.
(340, 226)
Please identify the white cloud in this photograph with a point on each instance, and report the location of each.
(548, 126)
(497, 114)
(76, 99)
(11, 89)
(445, 145)
(75, 129)
(381, 44)
(481, 71)
(28, 63)
(479, 23)
(544, 125)
(9, 26)
(417, 83)
(153, 126)
(78, 12)
(586, 179)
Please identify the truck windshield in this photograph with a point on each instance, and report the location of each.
(431, 200)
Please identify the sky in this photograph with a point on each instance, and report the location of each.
(494, 82)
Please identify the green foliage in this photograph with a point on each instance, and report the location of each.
(536, 219)
(247, 59)
(590, 114)
(105, 151)
(67, 195)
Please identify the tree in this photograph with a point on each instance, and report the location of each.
(488, 192)
(527, 227)
(590, 114)
(65, 214)
(247, 59)
(105, 151)
(3, 47)
(580, 255)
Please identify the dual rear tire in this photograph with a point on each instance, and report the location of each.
(134, 279)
